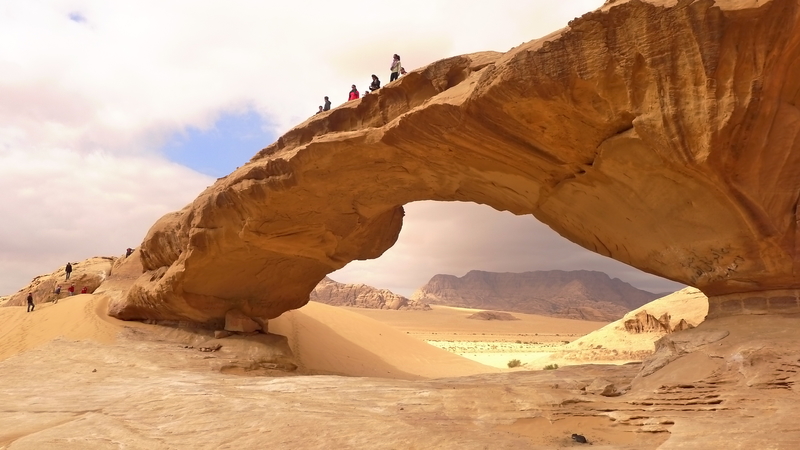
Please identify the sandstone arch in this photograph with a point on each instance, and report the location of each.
(663, 134)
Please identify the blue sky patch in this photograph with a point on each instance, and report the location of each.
(218, 151)
(77, 17)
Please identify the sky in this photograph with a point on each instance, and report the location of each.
(115, 113)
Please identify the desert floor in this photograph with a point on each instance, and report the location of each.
(530, 339)
(73, 378)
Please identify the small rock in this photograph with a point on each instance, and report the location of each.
(579, 438)
(210, 348)
(221, 334)
(602, 387)
(94, 370)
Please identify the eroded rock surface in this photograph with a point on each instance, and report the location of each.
(660, 134)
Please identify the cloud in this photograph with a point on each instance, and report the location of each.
(64, 206)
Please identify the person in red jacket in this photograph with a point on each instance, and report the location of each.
(84, 290)
(353, 94)
(71, 289)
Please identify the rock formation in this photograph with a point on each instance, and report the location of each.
(661, 134)
(633, 337)
(361, 296)
(643, 322)
(579, 294)
(89, 273)
(492, 315)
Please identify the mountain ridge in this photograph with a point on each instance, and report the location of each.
(577, 294)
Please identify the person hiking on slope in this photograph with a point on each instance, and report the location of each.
(68, 269)
(58, 293)
(327, 106)
(30, 302)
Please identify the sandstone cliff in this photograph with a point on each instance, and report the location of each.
(362, 296)
(579, 294)
(661, 134)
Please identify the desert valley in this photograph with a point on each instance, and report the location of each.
(662, 134)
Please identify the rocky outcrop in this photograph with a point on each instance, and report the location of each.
(643, 322)
(362, 296)
(647, 323)
(661, 134)
(492, 315)
(579, 294)
(89, 273)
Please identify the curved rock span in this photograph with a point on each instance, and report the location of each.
(663, 134)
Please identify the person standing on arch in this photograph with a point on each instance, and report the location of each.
(327, 106)
(395, 68)
(68, 269)
(353, 94)
(30, 302)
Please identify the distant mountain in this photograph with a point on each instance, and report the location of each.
(361, 296)
(579, 294)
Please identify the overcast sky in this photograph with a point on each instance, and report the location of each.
(113, 113)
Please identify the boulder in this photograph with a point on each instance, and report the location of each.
(602, 387)
(237, 321)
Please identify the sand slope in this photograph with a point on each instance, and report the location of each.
(78, 317)
(334, 340)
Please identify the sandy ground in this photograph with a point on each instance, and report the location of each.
(490, 342)
(73, 378)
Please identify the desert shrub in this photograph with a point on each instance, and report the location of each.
(514, 363)
(519, 342)
(550, 367)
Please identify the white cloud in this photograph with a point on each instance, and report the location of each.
(64, 206)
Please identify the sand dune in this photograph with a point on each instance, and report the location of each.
(324, 339)
(79, 317)
(334, 340)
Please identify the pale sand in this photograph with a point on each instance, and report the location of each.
(78, 317)
(489, 342)
(324, 339)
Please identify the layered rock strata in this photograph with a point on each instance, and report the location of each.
(661, 134)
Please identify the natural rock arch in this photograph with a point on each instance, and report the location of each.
(663, 137)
